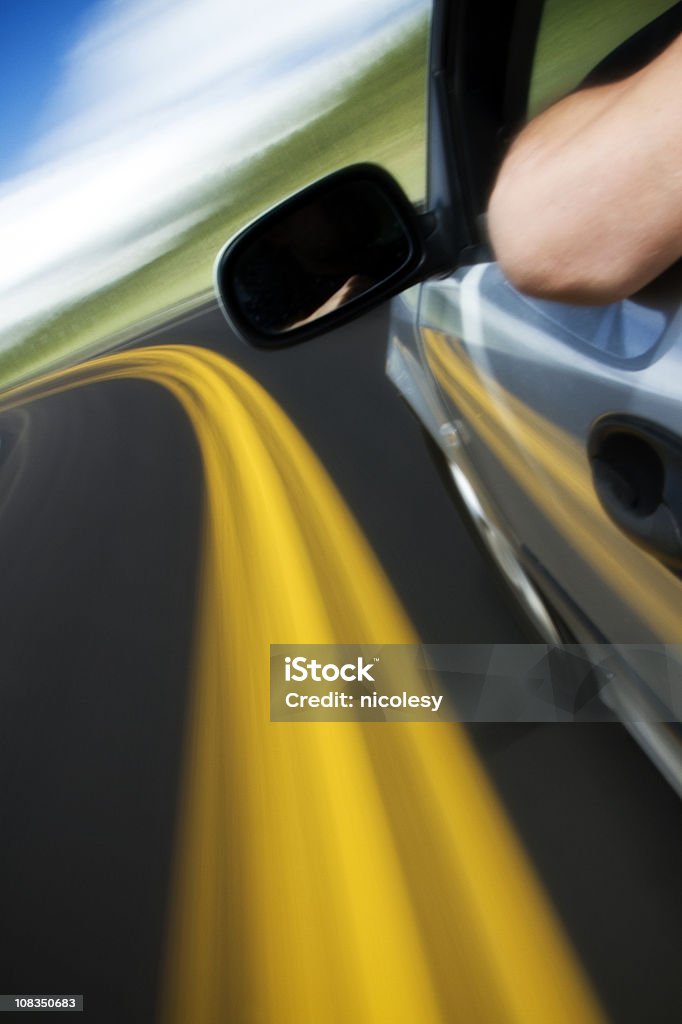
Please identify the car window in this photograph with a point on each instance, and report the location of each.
(575, 35)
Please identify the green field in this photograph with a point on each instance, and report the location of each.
(379, 115)
(576, 35)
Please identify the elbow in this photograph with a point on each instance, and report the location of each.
(580, 281)
(548, 255)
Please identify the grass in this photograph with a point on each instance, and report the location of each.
(576, 35)
(378, 115)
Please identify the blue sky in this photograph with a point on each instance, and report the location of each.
(34, 37)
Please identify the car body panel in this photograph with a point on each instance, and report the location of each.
(518, 385)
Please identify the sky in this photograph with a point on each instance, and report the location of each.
(116, 111)
(34, 37)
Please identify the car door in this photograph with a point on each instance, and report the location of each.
(562, 425)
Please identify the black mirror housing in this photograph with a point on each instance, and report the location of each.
(325, 256)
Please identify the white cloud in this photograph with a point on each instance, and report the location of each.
(156, 96)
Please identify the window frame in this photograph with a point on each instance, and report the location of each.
(480, 61)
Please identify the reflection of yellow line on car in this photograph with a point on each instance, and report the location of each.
(336, 872)
(552, 468)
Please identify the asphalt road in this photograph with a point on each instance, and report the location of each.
(100, 498)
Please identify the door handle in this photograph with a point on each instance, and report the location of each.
(637, 474)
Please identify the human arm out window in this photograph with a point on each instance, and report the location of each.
(587, 207)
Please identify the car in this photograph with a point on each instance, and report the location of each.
(560, 426)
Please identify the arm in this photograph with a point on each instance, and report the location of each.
(587, 207)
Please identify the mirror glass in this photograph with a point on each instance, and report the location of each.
(318, 255)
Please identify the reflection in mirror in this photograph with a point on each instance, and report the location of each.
(333, 247)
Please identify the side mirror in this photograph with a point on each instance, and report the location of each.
(322, 257)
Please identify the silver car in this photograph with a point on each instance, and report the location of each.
(561, 426)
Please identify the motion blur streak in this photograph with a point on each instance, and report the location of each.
(335, 872)
(553, 468)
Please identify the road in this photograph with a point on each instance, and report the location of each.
(100, 505)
